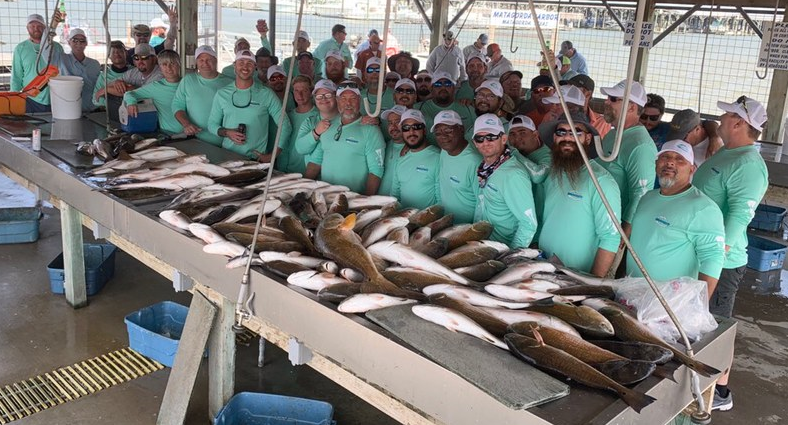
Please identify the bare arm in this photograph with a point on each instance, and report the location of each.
(373, 184)
(710, 282)
(312, 171)
(169, 41)
(188, 127)
(602, 262)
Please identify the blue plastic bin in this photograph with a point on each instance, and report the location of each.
(764, 255)
(19, 225)
(99, 268)
(270, 409)
(155, 331)
(768, 218)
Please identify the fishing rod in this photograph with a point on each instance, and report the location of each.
(700, 416)
(108, 37)
(243, 307)
(382, 72)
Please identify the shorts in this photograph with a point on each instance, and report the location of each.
(721, 302)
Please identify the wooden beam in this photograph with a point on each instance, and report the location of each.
(187, 361)
(674, 25)
(221, 361)
(440, 17)
(641, 64)
(73, 256)
(776, 107)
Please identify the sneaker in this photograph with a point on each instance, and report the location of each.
(722, 403)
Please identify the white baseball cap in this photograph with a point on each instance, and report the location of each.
(413, 114)
(245, 55)
(491, 85)
(392, 74)
(489, 123)
(325, 84)
(447, 117)
(522, 121)
(336, 55)
(75, 32)
(208, 50)
(348, 85)
(637, 94)
(303, 34)
(405, 82)
(35, 17)
(275, 69)
(396, 109)
(571, 94)
(680, 147)
(476, 55)
(442, 75)
(748, 109)
(374, 60)
(158, 23)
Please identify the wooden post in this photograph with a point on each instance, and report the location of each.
(641, 64)
(440, 17)
(775, 108)
(221, 358)
(73, 256)
(187, 41)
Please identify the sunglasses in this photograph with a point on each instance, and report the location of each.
(405, 91)
(743, 102)
(444, 83)
(424, 80)
(613, 99)
(326, 96)
(79, 40)
(415, 127)
(142, 57)
(371, 69)
(277, 77)
(652, 118)
(488, 137)
(561, 132)
(348, 85)
(544, 89)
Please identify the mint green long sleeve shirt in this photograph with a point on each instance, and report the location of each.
(416, 178)
(458, 184)
(195, 97)
(161, 92)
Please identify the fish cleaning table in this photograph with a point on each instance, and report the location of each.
(349, 349)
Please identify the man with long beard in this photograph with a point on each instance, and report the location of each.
(505, 198)
(576, 227)
(677, 230)
(416, 176)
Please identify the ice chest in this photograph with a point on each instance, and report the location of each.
(768, 217)
(155, 331)
(99, 268)
(764, 255)
(19, 225)
(270, 409)
(146, 121)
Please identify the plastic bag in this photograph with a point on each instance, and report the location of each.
(687, 297)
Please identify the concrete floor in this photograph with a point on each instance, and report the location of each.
(39, 332)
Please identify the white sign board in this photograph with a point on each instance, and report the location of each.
(646, 34)
(774, 45)
(506, 17)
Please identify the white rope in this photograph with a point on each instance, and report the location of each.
(769, 45)
(382, 71)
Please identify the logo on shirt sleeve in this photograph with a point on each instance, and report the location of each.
(379, 156)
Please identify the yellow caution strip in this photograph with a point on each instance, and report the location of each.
(22, 399)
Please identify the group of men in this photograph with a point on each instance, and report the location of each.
(461, 133)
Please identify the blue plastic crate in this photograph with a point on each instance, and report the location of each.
(19, 225)
(768, 218)
(271, 409)
(155, 331)
(764, 255)
(99, 268)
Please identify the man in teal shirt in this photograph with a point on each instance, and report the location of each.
(337, 43)
(369, 94)
(476, 67)
(194, 97)
(117, 67)
(416, 176)
(677, 230)
(505, 197)
(25, 67)
(735, 178)
(313, 127)
(249, 103)
(243, 44)
(79, 65)
(161, 92)
(488, 99)
(291, 161)
(633, 168)
(394, 147)
(443, 89)
(302, 44)
(350, 153)
(458, 186)
(576, 226)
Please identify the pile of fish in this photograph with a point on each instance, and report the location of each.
(366, 253)
(112, 146)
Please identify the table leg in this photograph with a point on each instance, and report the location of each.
(73, 256)
(221, 358)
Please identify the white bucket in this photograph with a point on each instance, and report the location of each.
(66, 96)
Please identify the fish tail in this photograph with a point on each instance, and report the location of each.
(383, 285)
(635, 399)
(664, 373)
(696, 365)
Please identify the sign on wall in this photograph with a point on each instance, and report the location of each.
(774, 46)
(646, 34)
(506, 17)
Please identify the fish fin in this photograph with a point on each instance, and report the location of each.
(544, 301)
(663, 372)
(349, 222)
(635, 399)
(123, 155)
(554, 260)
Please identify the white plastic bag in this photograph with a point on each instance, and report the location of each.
(687, 297)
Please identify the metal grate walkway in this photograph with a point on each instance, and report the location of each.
(24, 398)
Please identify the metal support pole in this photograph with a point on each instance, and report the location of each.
(749, 21)
(460, 13)
(423, 13)
(675, 25)
(613, 15)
